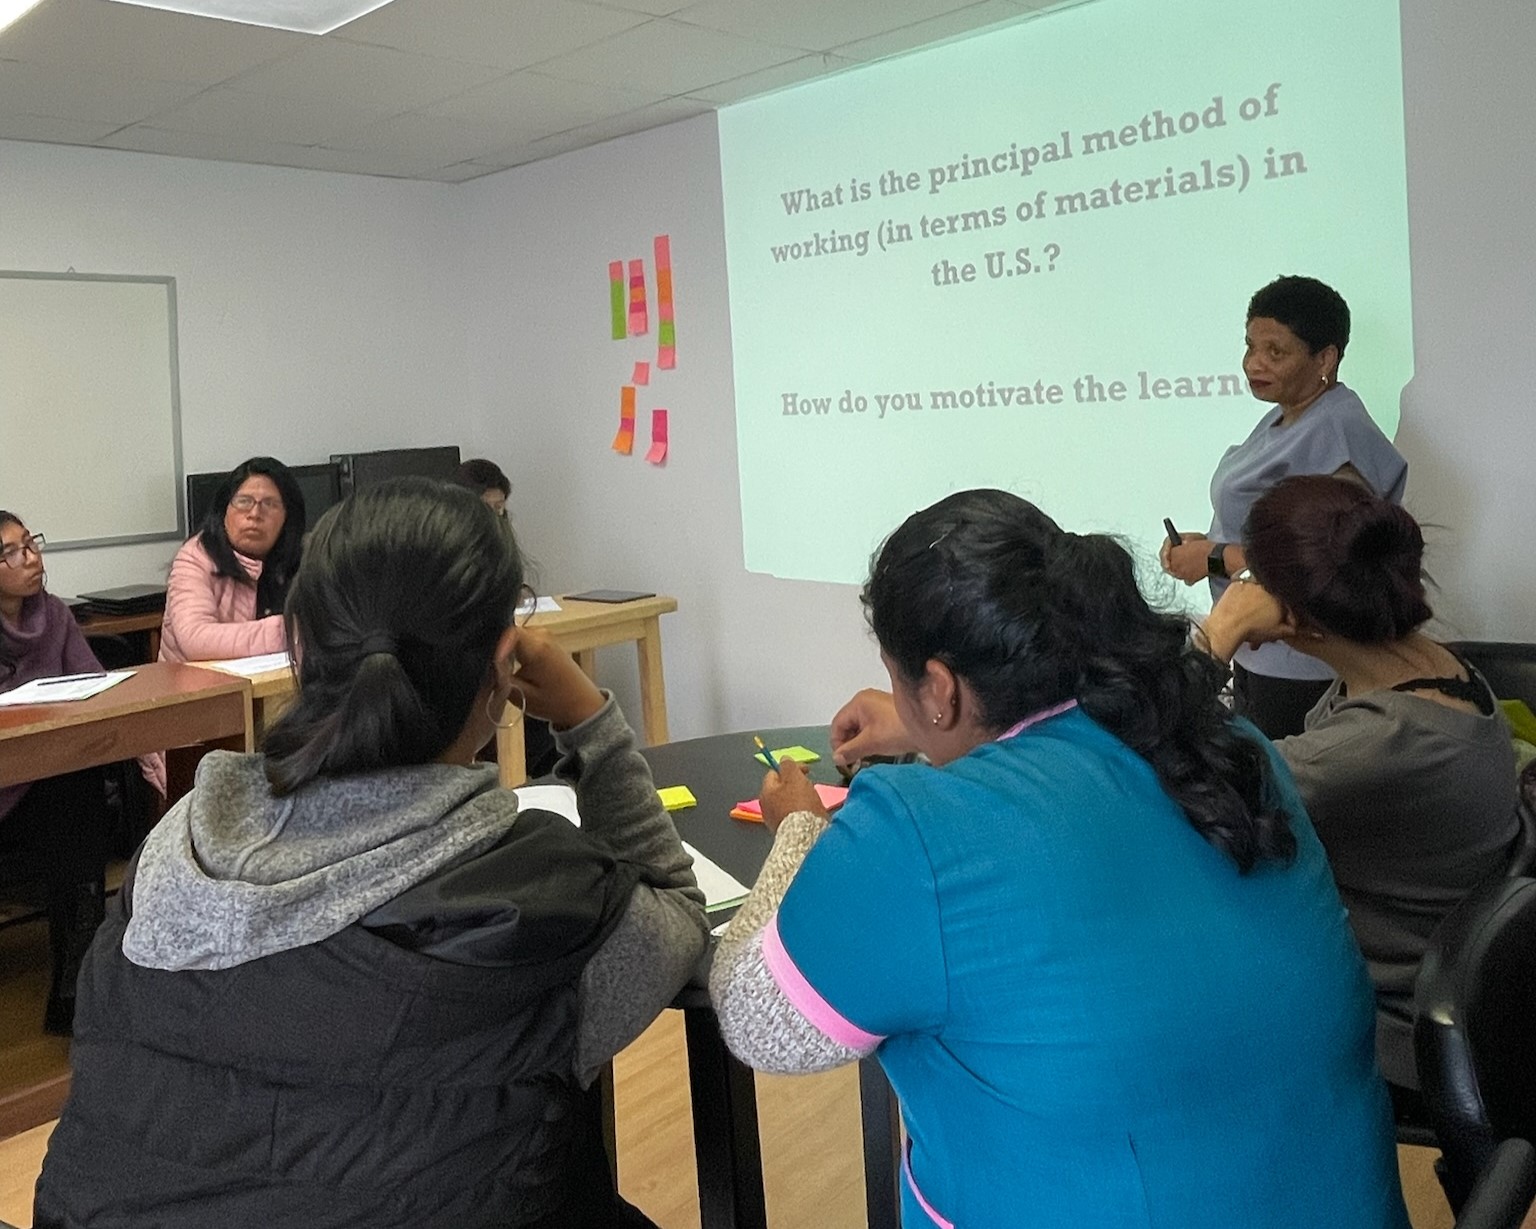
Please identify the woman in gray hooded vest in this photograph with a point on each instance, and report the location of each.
(347, 981)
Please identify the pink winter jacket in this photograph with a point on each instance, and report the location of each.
(213, 618)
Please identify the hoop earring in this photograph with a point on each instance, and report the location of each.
(522, 709)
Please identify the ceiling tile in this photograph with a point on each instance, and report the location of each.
(263, 117)
(51, 128)
(815, 25)
(462, 172)
(776, 78)
(415, 134)
(150, 140)
(951, 25)
(666, 57)
(653, 8)
(503, 33)
(668, 112)
(376, 78)
(142, 42)
(530, 105)
(85, 94)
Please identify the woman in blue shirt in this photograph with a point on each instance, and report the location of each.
(1094, 941)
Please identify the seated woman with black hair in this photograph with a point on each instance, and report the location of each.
(1094, 942)
(348, 982)
(59, 827)
(230, 579)
(1406, 765)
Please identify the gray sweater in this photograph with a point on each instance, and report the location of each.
(232, 874)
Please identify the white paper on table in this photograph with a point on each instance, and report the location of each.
(63, 687)
(542, 605)
(561, 799)
(721, 888)
(249, 667)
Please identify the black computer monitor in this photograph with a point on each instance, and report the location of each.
(321, 484)
(363, 469)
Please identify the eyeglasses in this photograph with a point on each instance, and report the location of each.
(34, 542)
(249, 503)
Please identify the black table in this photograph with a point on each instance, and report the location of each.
(721, 772)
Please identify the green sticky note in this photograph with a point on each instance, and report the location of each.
(668, 336)
(616, 306)
(801, 755)
(677, 798)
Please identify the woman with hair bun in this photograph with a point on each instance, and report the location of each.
(1093, 941)
(349, 981)
(1406, 765)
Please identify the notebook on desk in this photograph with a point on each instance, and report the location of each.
(127, 599)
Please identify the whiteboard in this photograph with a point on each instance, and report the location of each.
(90, 412)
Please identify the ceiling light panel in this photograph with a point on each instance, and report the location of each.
(304, 16)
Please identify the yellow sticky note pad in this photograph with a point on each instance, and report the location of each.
(801, 755)
(677, 798)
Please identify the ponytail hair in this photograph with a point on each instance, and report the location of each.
(1031, 616)
(403, 593)
(1339, 557)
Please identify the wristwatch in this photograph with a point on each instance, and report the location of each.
(1216, 561)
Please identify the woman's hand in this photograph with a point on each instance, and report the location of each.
(1189, 561)
(786, 792)
(1247, 613)
(868, 725)
(549, 677)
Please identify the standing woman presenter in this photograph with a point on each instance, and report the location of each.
(1297, 330)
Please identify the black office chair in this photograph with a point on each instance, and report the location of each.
(1475, 1029)
(1509, 666)
(1505, 1190)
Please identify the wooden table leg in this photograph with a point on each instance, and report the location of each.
(653, 684)
(511, 756)
(725, 1141)
(587, 660)
(882, 1146)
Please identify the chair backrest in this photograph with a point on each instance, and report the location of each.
(1505, 1190)
(1475, 1028)
(1509, 666)
(1522, 861)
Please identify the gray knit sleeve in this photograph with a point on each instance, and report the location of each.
(662, 934)
(760, 1025)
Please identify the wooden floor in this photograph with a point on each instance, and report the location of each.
(810, 1124)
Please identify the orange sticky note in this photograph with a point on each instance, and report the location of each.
(831, 796)
(624, 440)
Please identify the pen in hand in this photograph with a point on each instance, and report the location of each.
(1174, 537)
(767, 754)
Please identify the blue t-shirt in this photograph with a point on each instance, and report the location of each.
(1332, 432)
(1091, 1018)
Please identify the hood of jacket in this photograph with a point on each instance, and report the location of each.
(232, 873)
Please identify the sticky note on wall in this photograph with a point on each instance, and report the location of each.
(624, 440)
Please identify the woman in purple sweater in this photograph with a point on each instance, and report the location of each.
(58, 825)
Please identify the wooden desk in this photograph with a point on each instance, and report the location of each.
(584, 627)
(581, 628)
(162, 705)
(95, 624)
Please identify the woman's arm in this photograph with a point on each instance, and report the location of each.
(1246, 613)
(652, 952)
(193, 620)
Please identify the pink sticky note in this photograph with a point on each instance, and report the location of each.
(832, 797)
(658, 452)
(666, 357)
(642, 374)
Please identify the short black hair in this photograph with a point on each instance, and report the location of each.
(480, 476)
(1311, 309)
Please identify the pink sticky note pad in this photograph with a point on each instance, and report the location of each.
(642, 375)
(832, 797)
(658, 452)
(666, 357)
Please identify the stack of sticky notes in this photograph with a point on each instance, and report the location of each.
(801, 755)
(677, 798)
(752, 810)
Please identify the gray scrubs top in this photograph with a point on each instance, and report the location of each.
(1334, 431)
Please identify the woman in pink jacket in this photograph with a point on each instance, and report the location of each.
(229, 581)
